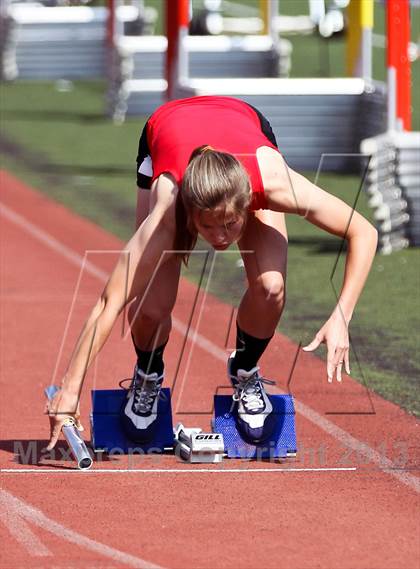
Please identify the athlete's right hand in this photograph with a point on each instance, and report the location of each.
(62, 407)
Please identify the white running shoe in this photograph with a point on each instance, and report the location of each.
(139, 413)
(251, 405)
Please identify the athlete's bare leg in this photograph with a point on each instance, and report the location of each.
(150, 317)
(263, 302)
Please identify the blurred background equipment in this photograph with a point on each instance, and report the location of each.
(141, 83)
(393, 185)
(51, 42)
(8, 65)
(393, 180)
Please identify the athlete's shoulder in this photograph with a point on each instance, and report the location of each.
(272, 166)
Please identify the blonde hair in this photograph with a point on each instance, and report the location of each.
(212, 179)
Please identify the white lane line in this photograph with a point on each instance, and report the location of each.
(167, 470)
(362, 449)
(37, 518)
(321, 422)
(50, 241)
(22, 533)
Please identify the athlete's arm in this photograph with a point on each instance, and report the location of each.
(129, 279)
(291, 192)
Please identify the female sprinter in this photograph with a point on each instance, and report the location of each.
(211, 166)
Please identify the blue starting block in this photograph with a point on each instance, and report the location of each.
(282, 443)
(107, 434)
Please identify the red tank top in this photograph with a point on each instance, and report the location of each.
(229, 125)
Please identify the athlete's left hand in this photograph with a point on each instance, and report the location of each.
(335, 334)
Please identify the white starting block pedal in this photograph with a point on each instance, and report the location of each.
(192, 445)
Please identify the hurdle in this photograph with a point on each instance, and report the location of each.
(62, 42)
(153, 66)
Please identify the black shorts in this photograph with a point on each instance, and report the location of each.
(144, 161)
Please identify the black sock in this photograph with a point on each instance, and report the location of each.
(248, 350)
(150, 362)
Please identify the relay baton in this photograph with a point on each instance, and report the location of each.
(72, 435)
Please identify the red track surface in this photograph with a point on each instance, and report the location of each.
(264, 515)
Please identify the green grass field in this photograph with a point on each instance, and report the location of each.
(62, 144)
